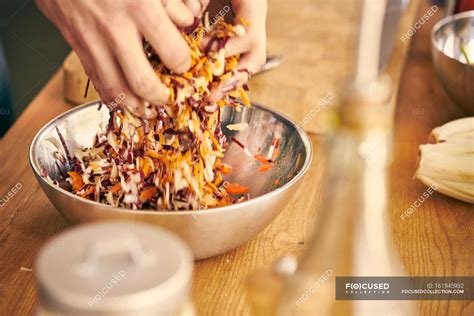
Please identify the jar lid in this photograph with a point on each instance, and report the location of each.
(114, 267)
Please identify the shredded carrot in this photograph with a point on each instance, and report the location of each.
(77, 182)
(264, 168)
(188, 75)
(116, 188)
(146, 194)
(244, 97)
(140, 133)
(88, 192)
(262, 159)
(235, 188)
(245, 22)
(225, 168)
(147, 167)
(232, 63)
(152, 154)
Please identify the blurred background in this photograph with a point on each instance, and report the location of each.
(33, 49)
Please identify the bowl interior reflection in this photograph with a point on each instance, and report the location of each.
(454, 36)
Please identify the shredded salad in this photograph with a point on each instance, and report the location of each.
(173, 161)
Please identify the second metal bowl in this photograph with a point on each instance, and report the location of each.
(207, 232)
(452, 39)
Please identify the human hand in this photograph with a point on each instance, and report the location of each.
(251, 45)
(107, 37)
(197, 7)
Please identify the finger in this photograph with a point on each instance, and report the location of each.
(253, 61)
(163, 35)
(49, 10)
(110, 81)
(229, 85)
(197, 7)
(237, 46)
(179, 13)
(84, 57)
(194, 6)
(249, 64)
(205, 42)
(149, 111)
(125, 41)
(89, 69)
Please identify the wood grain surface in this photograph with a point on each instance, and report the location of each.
(437, 239)
(316, 38)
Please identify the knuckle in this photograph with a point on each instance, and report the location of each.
(138, 7)
(70, 38)
(135, 107)
(79, 32)
(90, 72)
(142, 86)
(108, 94)
(109, 28)
(179, 63)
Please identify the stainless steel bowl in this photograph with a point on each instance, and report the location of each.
(456, 75)
(208, 232)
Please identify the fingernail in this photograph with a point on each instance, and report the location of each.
(194, 6)
(189, 29)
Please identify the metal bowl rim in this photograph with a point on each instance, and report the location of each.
(304, 138)
(444, 21)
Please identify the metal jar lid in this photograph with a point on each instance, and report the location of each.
(114, 267)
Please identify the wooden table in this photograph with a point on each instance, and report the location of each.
(437, 239)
